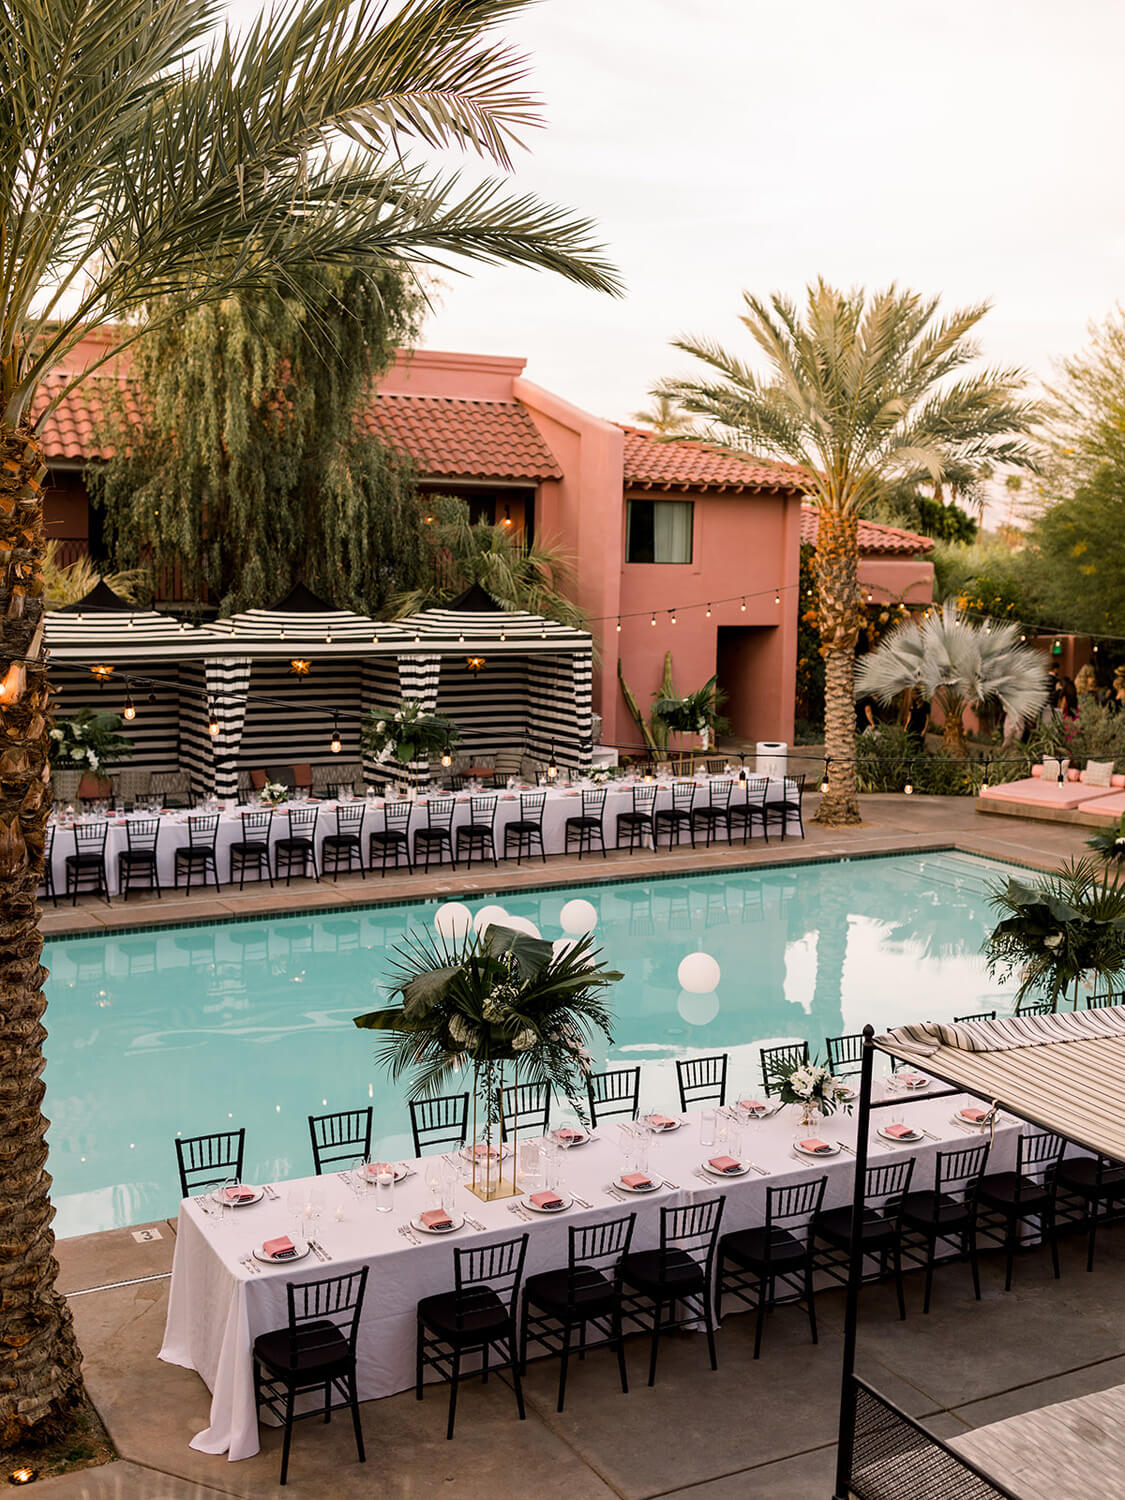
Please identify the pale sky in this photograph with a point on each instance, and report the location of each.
(969, 149)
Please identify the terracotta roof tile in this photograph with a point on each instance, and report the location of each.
(69, 434)
(654, 463)
(872, 536)
(453, 438)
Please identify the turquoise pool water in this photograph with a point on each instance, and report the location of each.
(187, 1029)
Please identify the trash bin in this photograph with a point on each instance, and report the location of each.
(772, 758)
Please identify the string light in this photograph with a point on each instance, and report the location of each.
(130, 710)
(212, 722)
(552, 767)
(446, 758)
(708, 616)
(619, 625)
(672, 612)
(743, 605)
(984, 778)
(824, 778)
(336, 744)
(777, 596)
(653, 620)
(909, 788)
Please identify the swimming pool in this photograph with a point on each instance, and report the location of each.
(187, 1029)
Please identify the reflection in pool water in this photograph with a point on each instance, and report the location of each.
(249, 1023)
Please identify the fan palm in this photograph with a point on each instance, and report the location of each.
(149, 163)
(862, 392)
(958, 663)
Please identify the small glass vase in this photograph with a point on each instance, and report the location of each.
(811, 1114)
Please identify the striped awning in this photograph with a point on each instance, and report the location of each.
(105, 627)
(476, 620)
(300, 623)
(1063, 1072)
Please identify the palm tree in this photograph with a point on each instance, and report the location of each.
(149, 166)
(958, 663)
(861, 393)
(664, 417)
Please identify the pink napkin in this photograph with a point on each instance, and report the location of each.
(913, 1080)
(815, 1146)
(280, 1248)
(724, 1164)
(566, 1133)
(546, 1200)
(238, 1194)
(435, 1218)
(755, 1106)
(510, 797)
(899, 1131)
(479, 1151)
(636, 1179)
(660, 1122)
(973, 1115)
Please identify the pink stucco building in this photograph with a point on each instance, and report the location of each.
(678, 547)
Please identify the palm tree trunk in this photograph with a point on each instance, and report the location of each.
(40, 1371)
(953, 735)
(836, 568)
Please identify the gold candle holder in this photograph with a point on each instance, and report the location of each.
(492, 1188)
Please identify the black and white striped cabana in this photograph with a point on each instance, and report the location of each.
(156, 659)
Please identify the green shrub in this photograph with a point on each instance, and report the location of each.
(887, 758)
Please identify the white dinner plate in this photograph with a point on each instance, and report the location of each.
(714, 1171)
(653, 1186)
(401, 1171)
(300, 1246)
(259, 1194)
(662, 1129)
(817, 1155)
(505, 1151)
(455, 1225)
(901, 1140)
(536, 1209)
(758, 1114)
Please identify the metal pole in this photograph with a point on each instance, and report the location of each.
(846, 1438)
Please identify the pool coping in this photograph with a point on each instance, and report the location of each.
(605, 877)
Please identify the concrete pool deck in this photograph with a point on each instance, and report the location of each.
(893, 824)
(751, 1431)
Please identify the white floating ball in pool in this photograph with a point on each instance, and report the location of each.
(578, 918)
(489, 915)
(453, 919)
(563, 946)
(699, 974)
(697, 1010)
(522, 924)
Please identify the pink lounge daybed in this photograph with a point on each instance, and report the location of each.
(1112, 806)
(1038, 792)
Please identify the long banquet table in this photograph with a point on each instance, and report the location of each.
(217, 1306)
(561, 803)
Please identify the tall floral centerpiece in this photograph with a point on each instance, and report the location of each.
(698, 713)
(88, 741)
(1067, 929)
(814, 1088)
(407, 733)
(505, 1006)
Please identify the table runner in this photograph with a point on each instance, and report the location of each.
(217, 1307)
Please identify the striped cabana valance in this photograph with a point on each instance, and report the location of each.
(103, 627)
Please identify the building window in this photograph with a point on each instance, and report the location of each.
(659, 531)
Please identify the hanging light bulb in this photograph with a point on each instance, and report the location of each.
(870, 597)
(328, 640)
(777, 596)
(619, 625)
(130, 710)
(708, 611)
(653, 620)
(672, 612)
(742, 769)
(909, 788)
(552, 768)
(130, 622)
(743, 604)
(446, 758)
(212, 723)
(824, 778)
(335, 744)
(984, 778)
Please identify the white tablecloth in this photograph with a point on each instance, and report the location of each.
(561, 803)
(216, 1307)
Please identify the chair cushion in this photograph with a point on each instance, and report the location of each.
(835, 1226)
(649, 1271)
(91, 861)
(1003, 1188)
(1081, 1176)
(924, 1210)
(295, 841)
(520, 825)
(593, 1291)
(751, 1247)
(584, 821)
(483, 1315)
(248, 847)
(326, 1349)
(340, 840)
(195, 851)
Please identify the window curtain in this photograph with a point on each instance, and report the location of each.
(672, 531)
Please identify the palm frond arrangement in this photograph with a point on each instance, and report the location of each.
(697, 713)
(88, 740)
(406, 733)
(1109, 842)
(497, 997)
(1067, 928)
(958, 663)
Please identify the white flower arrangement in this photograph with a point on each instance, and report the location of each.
(813, 1084)
(273, 793)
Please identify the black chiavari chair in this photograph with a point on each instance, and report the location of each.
(526, 1108)
(588, 824)
(298, 848)
(947, 1214)
(393, 839)
(673, 1286)
(788, 1055)
(478, 835)
(197, 856)
(137, 861)
(527, 830)
(207, 1161)
(346, 843)
(1006, 1200)
(339, 1138)
(88, 860)
(702, 1080)
(252, 850)
(615, 1092)
(437, 836)
(637, 823)
(678, 817)
(440, 1122)
(754, 1263)
(714, 814)
(884, 1190)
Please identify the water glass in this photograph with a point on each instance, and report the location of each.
(531, 1165)
(385, 1188)
(708, 1123)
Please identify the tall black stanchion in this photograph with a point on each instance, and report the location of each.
(855, 1273)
